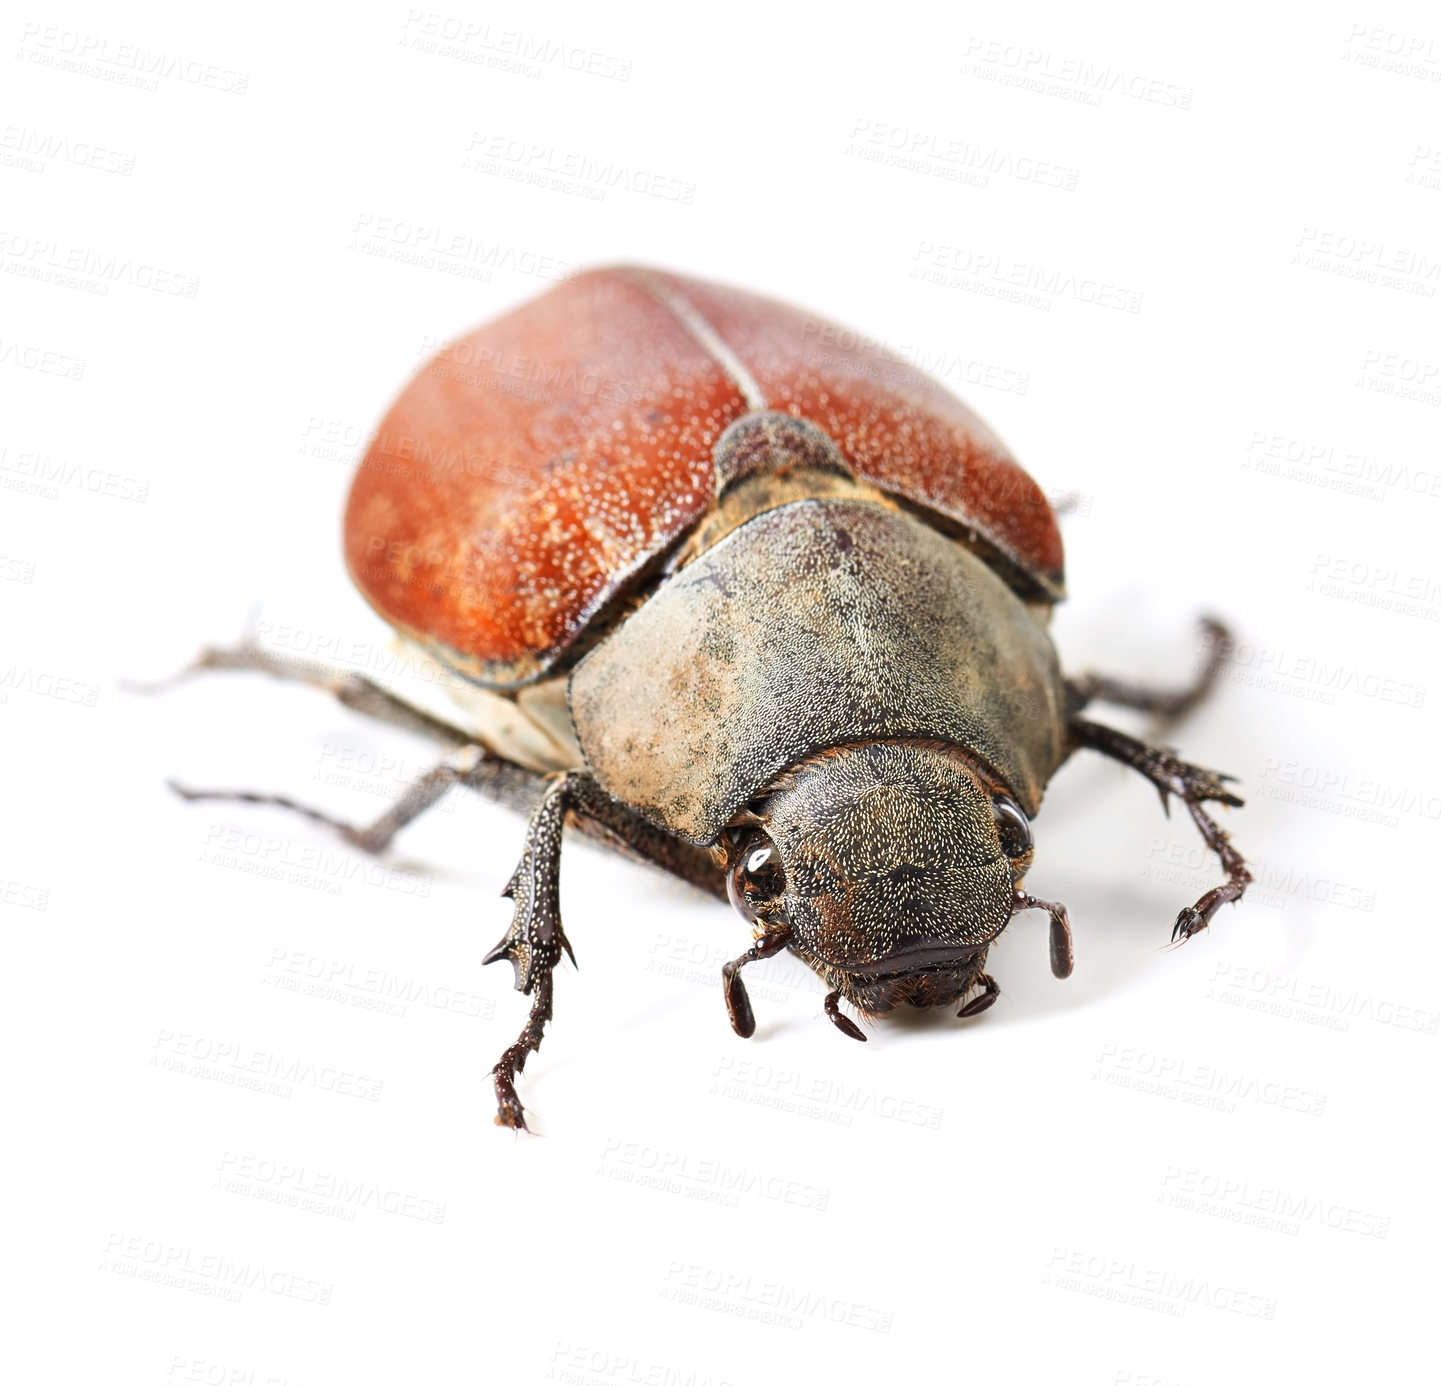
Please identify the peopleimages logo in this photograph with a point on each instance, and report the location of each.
(233, 1063)
(994, 274)
(1322, 1004)
(1150, 1287)
(1264, 1206)
(743, 1295)
(1070, 78)
(823, 1099)
(1211, 1086)
(708, 1179)
(127, 64)
(208, 1273)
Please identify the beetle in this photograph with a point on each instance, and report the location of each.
(771, 618)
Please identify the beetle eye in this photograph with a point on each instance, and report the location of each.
(1012, 825)
(756, 876)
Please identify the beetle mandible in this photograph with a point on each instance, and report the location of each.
(772, 619)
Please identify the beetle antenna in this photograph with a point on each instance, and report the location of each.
(1063, 953)
(743, 1019)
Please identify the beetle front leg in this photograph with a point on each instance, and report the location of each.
(1194, 787)
(509, 1112)
(535, 940)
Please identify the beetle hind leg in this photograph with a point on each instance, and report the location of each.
(351, 690)
(1166, 704)
(465, 763)
(1195, 787)
(469, 765)
(478, 768)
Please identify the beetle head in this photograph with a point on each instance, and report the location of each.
(892, 865)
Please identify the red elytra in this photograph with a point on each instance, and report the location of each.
(534, 469)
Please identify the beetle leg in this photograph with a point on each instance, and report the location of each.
(1196, 917)
(509, 1112)
(738, 1004)
(535, 940)
(985, 1000)
(460, 767)
(1194, 787)
(1169, 705)
(350, 690)
(493, 777)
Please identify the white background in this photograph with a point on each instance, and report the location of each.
(1208, 1165)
